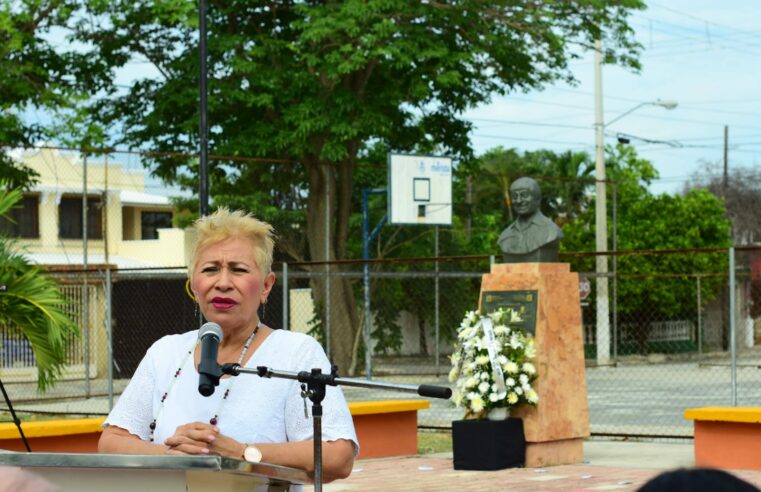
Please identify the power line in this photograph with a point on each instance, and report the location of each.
(695, 17)
(532, 123)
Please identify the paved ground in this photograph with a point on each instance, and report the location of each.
(620, 466)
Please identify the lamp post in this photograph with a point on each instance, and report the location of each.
(602, 330)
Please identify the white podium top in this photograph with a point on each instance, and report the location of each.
(191, 473)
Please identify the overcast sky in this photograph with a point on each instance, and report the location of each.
(704, 54)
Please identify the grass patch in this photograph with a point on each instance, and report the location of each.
(429, 442)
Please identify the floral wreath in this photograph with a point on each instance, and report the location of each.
(491, 365)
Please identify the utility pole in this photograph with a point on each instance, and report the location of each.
(602, 330)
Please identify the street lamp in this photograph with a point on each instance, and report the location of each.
(667, 104)
(602, 331)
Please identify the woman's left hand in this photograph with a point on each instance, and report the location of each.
(201, 438)
(192, 438)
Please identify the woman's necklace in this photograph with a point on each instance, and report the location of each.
(215, 418)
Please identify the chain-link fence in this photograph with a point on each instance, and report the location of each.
(671, 339)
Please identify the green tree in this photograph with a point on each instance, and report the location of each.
(38, 71)
(30, 303)
(646, 221)
(314, 83)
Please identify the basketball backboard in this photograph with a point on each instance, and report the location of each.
(419, 189)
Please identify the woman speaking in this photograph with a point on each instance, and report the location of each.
(161, 410)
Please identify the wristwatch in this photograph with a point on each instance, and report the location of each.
(252, 454)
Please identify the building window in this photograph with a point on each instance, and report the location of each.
(151, 222)
(25, 221)
(70, 218)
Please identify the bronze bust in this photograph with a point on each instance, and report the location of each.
(532, 237)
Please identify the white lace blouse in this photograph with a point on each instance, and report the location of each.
(257, 410)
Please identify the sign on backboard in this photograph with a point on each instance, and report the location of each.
(419, 189)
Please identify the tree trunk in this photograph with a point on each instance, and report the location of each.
(325, 216)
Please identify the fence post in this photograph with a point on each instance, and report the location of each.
(615, 271)
(700, 318)
(436, 296)
(86, 326)
(110, 345)
(732, 334)
(286, 308)
(327, 309)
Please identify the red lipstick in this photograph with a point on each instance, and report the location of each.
(223, 303)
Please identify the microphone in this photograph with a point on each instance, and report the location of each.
(209, 372)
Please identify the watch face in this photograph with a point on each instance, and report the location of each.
(252, 454)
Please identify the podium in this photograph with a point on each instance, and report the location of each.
(549, 295)
(151, 473)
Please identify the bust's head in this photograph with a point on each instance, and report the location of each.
(525, 196)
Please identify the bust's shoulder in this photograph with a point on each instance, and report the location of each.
(545, 221)
(509, 230)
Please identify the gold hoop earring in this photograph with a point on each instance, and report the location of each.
(188, 291)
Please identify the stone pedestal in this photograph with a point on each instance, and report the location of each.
(556, 428)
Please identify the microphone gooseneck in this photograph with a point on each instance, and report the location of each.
(209, 371)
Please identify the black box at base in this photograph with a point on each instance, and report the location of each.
(488, 444)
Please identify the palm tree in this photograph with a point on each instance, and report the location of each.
(30, 303)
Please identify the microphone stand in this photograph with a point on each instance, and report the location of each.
(313, 386)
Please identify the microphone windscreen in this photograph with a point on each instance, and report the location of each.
(210, 329)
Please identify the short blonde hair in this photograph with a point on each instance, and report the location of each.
(229, 224)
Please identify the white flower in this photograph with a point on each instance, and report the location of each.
(484, 376)
(515, 317)
(512, 398)
(529, 368)
(473, 395)
(453, 375)
(477, 404)
(518, 390)
(471, 382)
(523, 379)
(515, 342)
(530, 350)
(482, 360)
(484, 387)
(457, 398)
(501, 359)
(471, 316)
(511, 367)
(493, 397)
(501, 330)
(510, 382)
(532, 396)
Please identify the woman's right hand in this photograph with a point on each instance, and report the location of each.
(192, 438)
